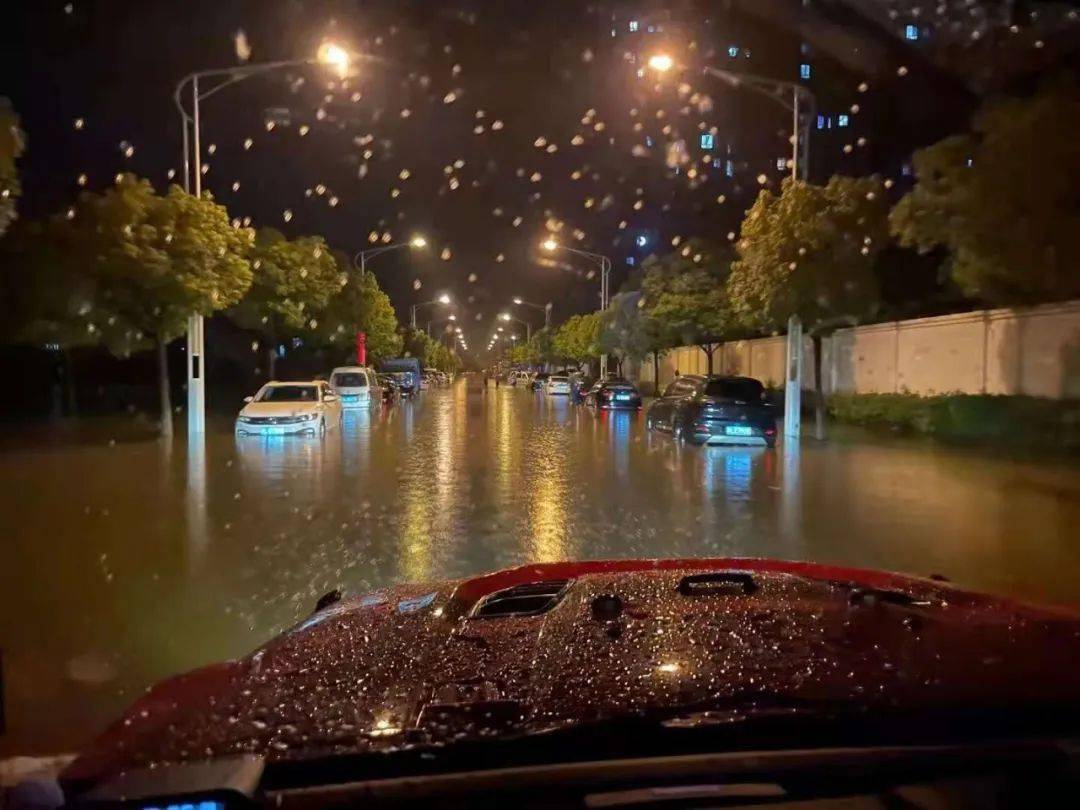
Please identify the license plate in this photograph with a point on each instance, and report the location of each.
(738, 430)
(622, 397)
(353, 398)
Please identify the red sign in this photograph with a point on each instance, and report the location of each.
(361, 349)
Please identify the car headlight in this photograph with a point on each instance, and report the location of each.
(308, 417)
(243, 419)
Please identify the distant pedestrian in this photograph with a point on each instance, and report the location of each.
(496, 380)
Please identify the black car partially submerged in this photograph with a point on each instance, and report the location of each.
(613, 392)
(715, 410)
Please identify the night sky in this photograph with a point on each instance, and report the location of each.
(483, 125)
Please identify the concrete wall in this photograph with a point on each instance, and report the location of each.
(1034, 351)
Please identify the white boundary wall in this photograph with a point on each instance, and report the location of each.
(1033, 351)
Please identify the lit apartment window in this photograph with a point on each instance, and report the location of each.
(707, 140)
(781, 163)
(842, 120)
(911, 32)
(733, 51)
(804, 70)
(633, 25)
(821, 122)
(729, 168)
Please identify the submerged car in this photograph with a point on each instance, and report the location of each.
(613, 392)
(390, 388)
(557, 384)
(714, 410)
(356, 386)
(290, 407)
(606, 683)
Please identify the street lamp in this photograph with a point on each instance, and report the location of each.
(360, 260)
(506, 316)
(546, 309)
(330, 55)
(550, 245)
(442, 299)
(778, 91)
(774, 89)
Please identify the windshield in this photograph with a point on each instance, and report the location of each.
(349, 379)
(785, 294)
(289, 393)
(741, 390)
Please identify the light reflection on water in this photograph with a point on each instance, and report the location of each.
(131, 561)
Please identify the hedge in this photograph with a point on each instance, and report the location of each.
(1011, 420)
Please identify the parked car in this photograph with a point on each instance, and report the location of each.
(613, 392)
(309, 407)
(405, 370)
(390, 388)
(538, 381)
(357, 386)
(714, 410)
(557, 384)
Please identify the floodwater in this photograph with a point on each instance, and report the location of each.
(125, 560)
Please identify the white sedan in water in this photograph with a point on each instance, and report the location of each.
(557, 384)
(279, 408)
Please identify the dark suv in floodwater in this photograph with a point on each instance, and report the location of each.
(715, 410)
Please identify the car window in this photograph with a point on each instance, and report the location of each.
(350, 379)
(289, 393)
(742, 390)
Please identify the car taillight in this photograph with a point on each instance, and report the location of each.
(770, 431)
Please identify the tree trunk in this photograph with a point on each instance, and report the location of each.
(656, 373)
(271, 363)
(708, 348)
(163, 389)
(819, 392)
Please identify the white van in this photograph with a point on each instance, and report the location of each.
(357, 386)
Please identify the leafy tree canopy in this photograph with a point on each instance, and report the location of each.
(1002, 200)
(360, 306)
(810, 251)
(12, 144)
(685, 298)
(578, 339)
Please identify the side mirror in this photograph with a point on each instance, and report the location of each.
(330, 398)
(249, 399)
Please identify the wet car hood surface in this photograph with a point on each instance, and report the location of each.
(411, 665)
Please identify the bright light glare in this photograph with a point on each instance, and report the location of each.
(505, 316)
(517, 301)
(453, 317)
(444, 298)
(418, 242)
(549, 244)
(661, 62)
(334, 56)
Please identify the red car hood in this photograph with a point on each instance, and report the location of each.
(414, 665)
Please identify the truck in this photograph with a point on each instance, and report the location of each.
(405, 371)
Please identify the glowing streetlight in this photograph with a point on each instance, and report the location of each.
(549, 244)
(418, 242)
(361, 258)
(546, 308)
(445, 299)
(518, 301)
(334, 56)
(661, 62)
(442, 299)
(505, 316)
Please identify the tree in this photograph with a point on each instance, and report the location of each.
(577, 340)
(686, 299)
(810, 252)
(626, 331)
(1002, 200)
(360, 306)
(291, 285)
(12, 144)
(153, 261)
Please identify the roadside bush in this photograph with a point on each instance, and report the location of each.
(1015, 421)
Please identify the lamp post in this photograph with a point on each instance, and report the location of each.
(329, 54)
(550, 245)
(802, 104)
(506, 316)
(442, 299)
(361, 258)
(546, 309)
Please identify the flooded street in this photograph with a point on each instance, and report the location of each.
(127, 561)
